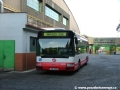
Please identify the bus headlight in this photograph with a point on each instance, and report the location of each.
(70, 64)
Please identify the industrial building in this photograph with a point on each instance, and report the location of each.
(20, 20)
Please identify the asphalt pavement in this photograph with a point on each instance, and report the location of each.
(102, 71)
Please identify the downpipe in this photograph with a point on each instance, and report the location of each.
(2, 6)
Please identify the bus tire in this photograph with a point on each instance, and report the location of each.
(86, 60)
(86, 63)
(78, 65)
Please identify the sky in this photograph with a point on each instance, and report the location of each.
(96, 18)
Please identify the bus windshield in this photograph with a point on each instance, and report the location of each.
(55, 46)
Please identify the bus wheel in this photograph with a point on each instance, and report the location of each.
(86, 60)
(86, 63)
(78, 66)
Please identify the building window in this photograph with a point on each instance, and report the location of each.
(51, 13)
(60, 18)
(65, 21)
(33, 4)
(40, 5)
(32, 44)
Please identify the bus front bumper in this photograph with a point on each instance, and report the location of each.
(55, 68)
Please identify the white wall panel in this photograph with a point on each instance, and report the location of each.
(11, 28)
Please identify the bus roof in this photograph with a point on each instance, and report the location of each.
(53, 28)
(56, 30)
(82, 38)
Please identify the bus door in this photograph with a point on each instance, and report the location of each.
(77, 51)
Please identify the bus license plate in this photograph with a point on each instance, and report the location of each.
(53, 68)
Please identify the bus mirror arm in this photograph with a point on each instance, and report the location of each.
(76, 41)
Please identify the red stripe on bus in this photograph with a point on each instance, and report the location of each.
(58, 65)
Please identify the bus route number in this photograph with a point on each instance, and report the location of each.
(55, 34)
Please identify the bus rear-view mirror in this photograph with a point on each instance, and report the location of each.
(76, 41)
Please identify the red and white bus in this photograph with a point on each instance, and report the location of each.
(59, 50)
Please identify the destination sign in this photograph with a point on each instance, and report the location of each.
(54, 34)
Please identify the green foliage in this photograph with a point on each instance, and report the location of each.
(112, 48)
(97, 47)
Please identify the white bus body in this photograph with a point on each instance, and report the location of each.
(66, 61)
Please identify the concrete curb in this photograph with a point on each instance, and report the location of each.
(22, 71)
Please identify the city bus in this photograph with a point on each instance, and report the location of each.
(59, 50)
